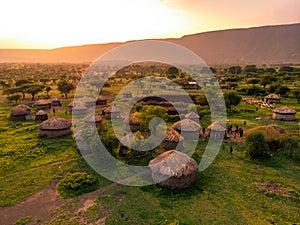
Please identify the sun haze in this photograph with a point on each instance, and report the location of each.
(51, 24)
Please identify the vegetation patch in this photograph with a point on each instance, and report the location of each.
(77, 183)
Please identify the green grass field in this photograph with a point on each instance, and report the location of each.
(225, 193)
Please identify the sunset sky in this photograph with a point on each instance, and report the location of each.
(57, 23)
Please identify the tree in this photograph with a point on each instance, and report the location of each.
(231, 99)
(48, 88)
(65, 87)
(34, 89)
(22, 82)
(15, 97)
(296, 93)
(286, 69)
(250, 69)
(235, 70)
(147, 113)
(256, 146)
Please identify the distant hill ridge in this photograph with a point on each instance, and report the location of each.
(278, 44)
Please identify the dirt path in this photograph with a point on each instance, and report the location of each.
(40, 206)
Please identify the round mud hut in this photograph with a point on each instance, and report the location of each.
(56, 102)
(88, 101)
(284, 113)
(101, 101)
(54, 127)
(19, 113)
(127, 94)
(93, 119)
(172, 140)
(193, 116)
(273, 98)
(216, 130)
(174, 170)
(112, 112)
(132, 123)
(189, 129)
(41, 115)
(42, 104)
(125, 150)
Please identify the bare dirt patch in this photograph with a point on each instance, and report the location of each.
(275, 188)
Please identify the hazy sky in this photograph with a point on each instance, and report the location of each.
(56, 23)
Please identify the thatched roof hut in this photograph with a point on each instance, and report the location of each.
(54, 127)
(77, 107)
(19, 113)
(174, 169)
(145, 91)
(273, 98)
(42, 104)
(172, 140)
(192, 116)
(41, 115)
(132, 123)
(88, 101)
(127, 94)
(112, 112)
(101, 101)
(272, 134)
(125, 150)
(56, 102)
(93, 119)
(216, 130)
(284, 113)
(189, 129)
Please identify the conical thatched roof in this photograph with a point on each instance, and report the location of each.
(133, 119)
(20, 110)
(79, 106)
(92, 118)
(192, 115)
(270, 132)
(173, 164)
(217, 126)
(55, 123)
(41, 113)
(173, 136)
(87, 100)
(284, 110)
(274, 96)
(187, 125)
(126, 139)
(55, 99)
(112, 109)
(42, 102)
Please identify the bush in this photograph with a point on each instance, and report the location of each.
(256, 146)
(77, 183)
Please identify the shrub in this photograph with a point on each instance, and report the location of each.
(77, 183)
(256, 146)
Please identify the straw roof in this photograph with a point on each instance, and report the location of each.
(173, 136)
(186, 125)
(79, 106)
(92, 118)
(55, 123)
(133, 119)
(126, 139)
(270, 132)
(42, 102)
(284, 110)
(274, 96)
(173, 164)
(41, 113)
(112, 109)
(55, 99)
(20, 110)
(87, 99)
(192, 115)
(217, 126)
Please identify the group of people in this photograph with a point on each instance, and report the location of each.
(236, 131)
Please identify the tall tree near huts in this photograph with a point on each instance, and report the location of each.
(65, 87)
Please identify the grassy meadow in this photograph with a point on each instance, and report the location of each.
(229, 192)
